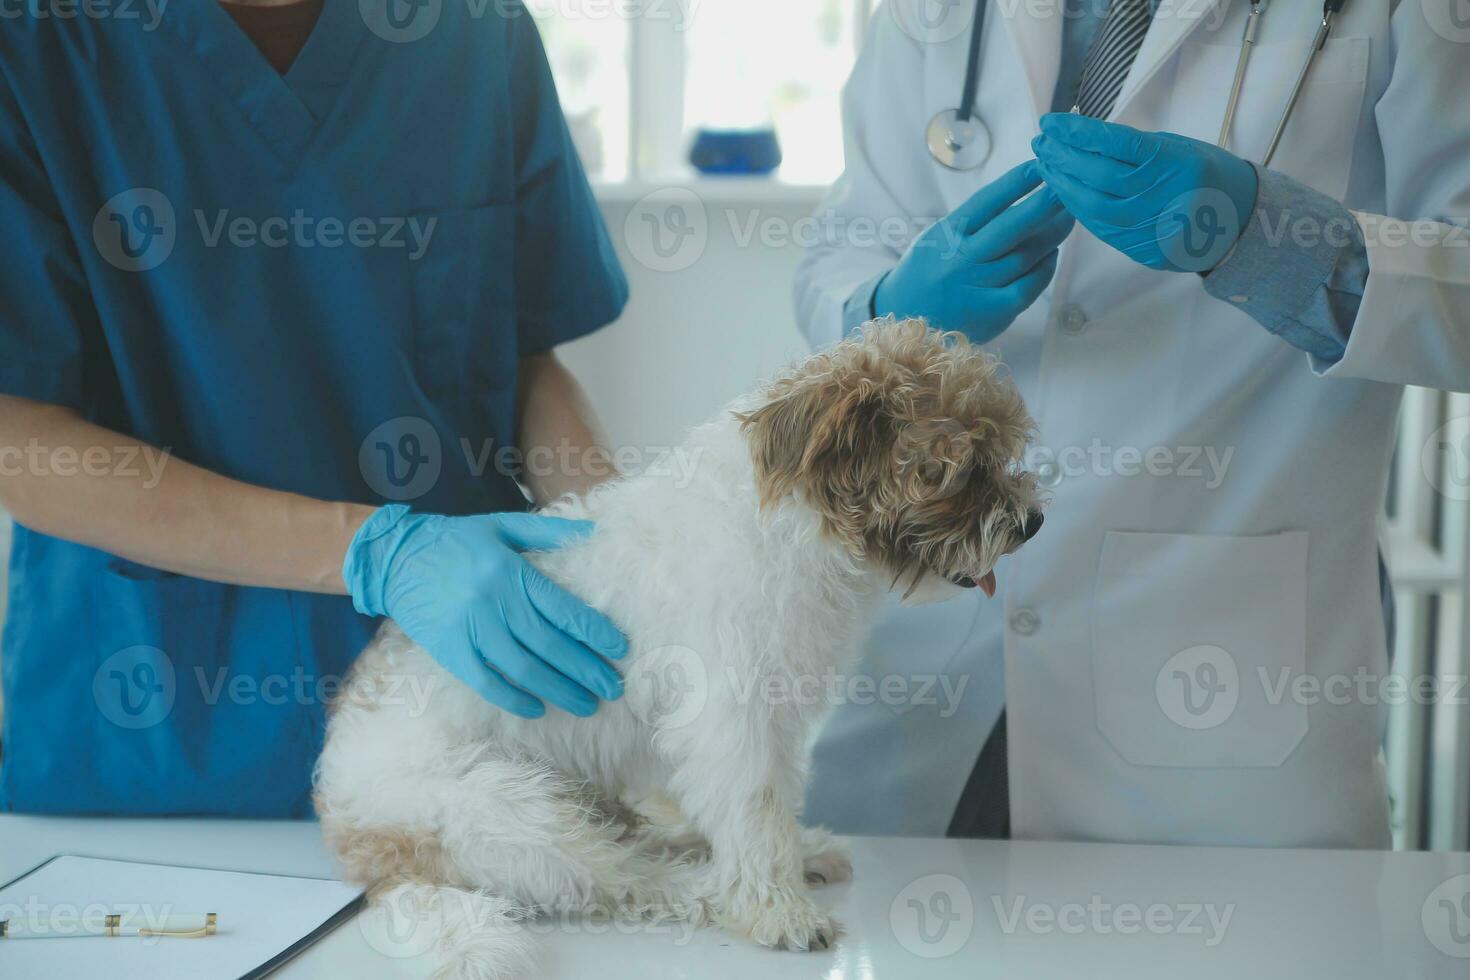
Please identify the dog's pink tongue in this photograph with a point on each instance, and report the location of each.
(987, 585)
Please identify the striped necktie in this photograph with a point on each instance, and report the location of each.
(1112, 54)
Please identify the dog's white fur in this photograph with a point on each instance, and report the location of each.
(651, 808)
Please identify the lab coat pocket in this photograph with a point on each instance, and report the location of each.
(464, 330)
(1189, 636)
(1317, 147)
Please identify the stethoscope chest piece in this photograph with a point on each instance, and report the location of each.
(959, 144)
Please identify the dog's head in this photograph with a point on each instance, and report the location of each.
(908, 443)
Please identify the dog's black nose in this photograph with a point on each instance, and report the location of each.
(1033, 523)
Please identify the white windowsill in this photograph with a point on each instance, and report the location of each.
(714, 190)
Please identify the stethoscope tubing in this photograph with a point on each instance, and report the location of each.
(1330, 10)
(1320, 42)
(972, 63)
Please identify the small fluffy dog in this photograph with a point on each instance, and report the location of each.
(890, 461)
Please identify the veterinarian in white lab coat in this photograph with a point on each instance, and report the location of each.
(1216, 442)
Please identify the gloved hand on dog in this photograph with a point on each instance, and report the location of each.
(459, 587)
(984, 264)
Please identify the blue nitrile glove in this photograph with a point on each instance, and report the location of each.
(1164, 200)
(984, 264)
(459, 588)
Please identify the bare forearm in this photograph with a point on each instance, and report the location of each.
(162, 511)
(558, 432)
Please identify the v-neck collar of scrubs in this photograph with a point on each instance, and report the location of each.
(286, 110)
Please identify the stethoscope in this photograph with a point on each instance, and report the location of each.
(960, 140)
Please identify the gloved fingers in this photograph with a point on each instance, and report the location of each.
(1013, 226)
(571, 615)
(522, 660)
(536, 532)
(472, 670)
(1054, 230)
(1025, 291)
(990, 201)
(1098, 136)
(1088, 205)
(1025, 256)
(1104, 174)
(569, 675)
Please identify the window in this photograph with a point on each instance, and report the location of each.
(637, 78)
(587, 44)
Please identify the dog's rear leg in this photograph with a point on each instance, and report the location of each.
(825, 861)
(474, 935)
(550, 843)
(493, 839)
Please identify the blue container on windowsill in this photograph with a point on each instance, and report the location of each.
(735, 151)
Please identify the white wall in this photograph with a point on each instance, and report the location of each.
(693, 338)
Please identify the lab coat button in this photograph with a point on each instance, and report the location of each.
(1048, 474)
(1074, 320)
(1025, 621)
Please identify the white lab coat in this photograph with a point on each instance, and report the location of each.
(1149, 585)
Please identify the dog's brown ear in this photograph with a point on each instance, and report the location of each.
(818, 437)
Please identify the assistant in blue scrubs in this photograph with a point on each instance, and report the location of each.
(277, 278)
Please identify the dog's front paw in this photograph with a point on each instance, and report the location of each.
(794, 923)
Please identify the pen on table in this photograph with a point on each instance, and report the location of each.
(174, 926)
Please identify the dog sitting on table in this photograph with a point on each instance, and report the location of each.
(890, 461)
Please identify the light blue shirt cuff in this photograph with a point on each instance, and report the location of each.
(1299, 269)
(858, 309)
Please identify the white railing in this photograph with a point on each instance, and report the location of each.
(1428, 540)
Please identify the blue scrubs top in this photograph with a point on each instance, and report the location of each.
(319, 283)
